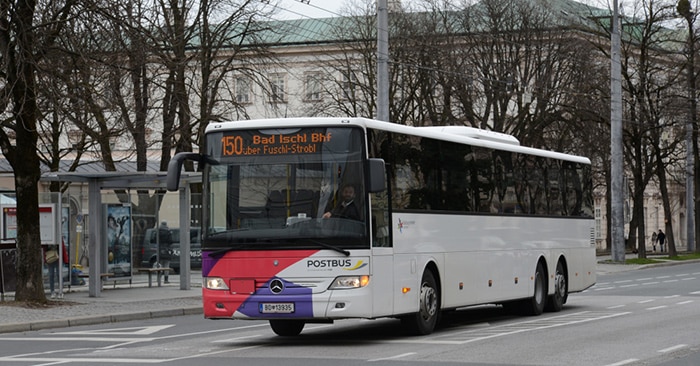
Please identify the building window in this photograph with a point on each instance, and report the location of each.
(312, 87)
(349, 84)
(598, 223)
(277, 88)
(243, 90)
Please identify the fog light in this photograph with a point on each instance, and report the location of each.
(220, 306)
(340, 305)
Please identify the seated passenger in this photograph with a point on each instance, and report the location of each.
(346, 209)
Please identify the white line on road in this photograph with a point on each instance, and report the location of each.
(630, 285)
(684, 302)
(616, 306)
(604, 288)
(671, 349)
(671, 296)
(645, 301)
(392, 357)
(651, 283)
(695, 293)
(657, 307)
(625, 362)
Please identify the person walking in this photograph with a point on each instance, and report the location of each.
(54, 267)
(653, 240)
(661, 237)
(165, 241)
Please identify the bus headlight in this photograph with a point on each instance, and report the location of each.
(347, 282)
(215, 283)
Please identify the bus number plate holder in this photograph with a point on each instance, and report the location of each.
(277, 308)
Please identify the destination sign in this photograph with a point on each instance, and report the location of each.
(250, 143)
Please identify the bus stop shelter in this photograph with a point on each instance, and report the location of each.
(98, 182)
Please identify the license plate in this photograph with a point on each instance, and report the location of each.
(278, 308)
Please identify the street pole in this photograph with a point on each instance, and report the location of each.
(382, 60)
(616, 147)
(690, 152)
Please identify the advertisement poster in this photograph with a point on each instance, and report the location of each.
(119, 240)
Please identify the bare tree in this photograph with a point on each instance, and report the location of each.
(27, 32)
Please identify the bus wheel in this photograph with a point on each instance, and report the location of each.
(287, 328)
(424, 321)
(535, 305)
(561, 290)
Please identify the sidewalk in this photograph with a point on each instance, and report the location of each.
(118, 303)
(138, 301)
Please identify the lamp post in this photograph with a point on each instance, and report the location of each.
(616, 147)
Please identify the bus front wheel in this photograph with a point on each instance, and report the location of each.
(535, 305)
(286, 327)
(423, 322)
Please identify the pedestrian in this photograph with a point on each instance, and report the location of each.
(661, 237)
(653, 240)
(165, 241)
(54, 265)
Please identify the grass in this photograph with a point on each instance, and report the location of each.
(682, 257)
(685, 257)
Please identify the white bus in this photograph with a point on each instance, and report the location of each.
(444, 218)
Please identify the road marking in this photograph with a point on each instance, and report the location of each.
(695, 293)
(474, 335)
(688, 278)
(657, 307)
(392, 357)
(603, 289)
(624, 281)
(123, 331)
(616, 306)
(669, 281)
(237, 339)
(625, 362)
(651, 283)
(684, 302)
(644, 279)
(630, 285)
(671, 296)
(645, 301)
(671, 349)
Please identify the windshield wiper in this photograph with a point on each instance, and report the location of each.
(332, 247)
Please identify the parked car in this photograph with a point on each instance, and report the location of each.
(149, 249)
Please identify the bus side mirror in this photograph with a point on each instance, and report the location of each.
(175, 166)
(377, 175)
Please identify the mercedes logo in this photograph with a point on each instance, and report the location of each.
(276, 286)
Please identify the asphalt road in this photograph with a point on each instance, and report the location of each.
(643, 317)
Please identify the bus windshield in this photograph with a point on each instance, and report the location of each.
(286, 188)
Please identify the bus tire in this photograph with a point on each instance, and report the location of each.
(423, 322)
(535, 304)
(287, 327)
(561, 290)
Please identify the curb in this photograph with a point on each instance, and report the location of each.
(97, 319)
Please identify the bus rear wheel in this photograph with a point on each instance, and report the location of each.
(561, 290)
(286, 327)
(423, 322)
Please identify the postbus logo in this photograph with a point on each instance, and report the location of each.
(329, 264)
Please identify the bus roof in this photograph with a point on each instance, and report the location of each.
(459, 134)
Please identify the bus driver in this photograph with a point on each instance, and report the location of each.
(346, 209)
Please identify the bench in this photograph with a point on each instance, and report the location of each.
(103, 277)
(160, 271)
